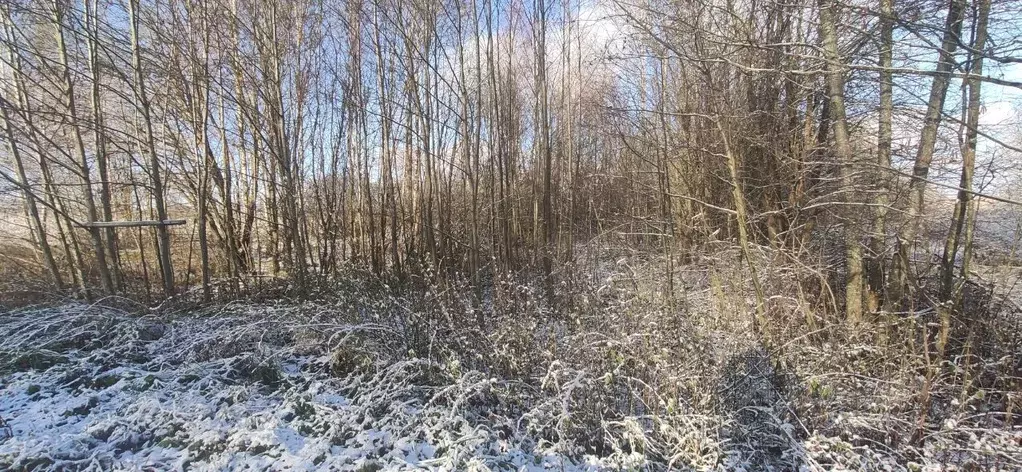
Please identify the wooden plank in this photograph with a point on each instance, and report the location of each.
(132, 224)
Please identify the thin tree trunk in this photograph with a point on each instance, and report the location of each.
(92, 28)
(32, 210)
(203, 157)
(899, 289)
(163, 234)
(964, 213)
(742, 218)
(846, 160)
(79, 149)
(548, 234)
(878, 240)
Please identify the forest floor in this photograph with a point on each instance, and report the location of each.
(365, 383)
(226, 392)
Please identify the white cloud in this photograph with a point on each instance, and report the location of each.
(997, 113)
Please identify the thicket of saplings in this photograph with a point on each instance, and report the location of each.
(638, 368)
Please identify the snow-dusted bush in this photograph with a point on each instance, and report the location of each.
(419, 374)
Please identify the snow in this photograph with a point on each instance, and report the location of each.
(171, 396)
(332, 386)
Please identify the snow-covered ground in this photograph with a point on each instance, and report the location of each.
(90, 388)
(366, 383)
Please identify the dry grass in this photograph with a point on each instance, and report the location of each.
(621, 374)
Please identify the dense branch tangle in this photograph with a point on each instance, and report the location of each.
(471, 137)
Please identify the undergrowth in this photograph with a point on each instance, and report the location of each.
(367, 374)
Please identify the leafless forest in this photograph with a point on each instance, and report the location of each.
(514, 234)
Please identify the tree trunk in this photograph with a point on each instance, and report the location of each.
(79, 148)
(846, 160)
(92, 27)
(899, 289)
(964, 213)
(163, 233)
(34, 220)
(878, 238)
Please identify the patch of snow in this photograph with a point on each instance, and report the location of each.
(171, 396)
